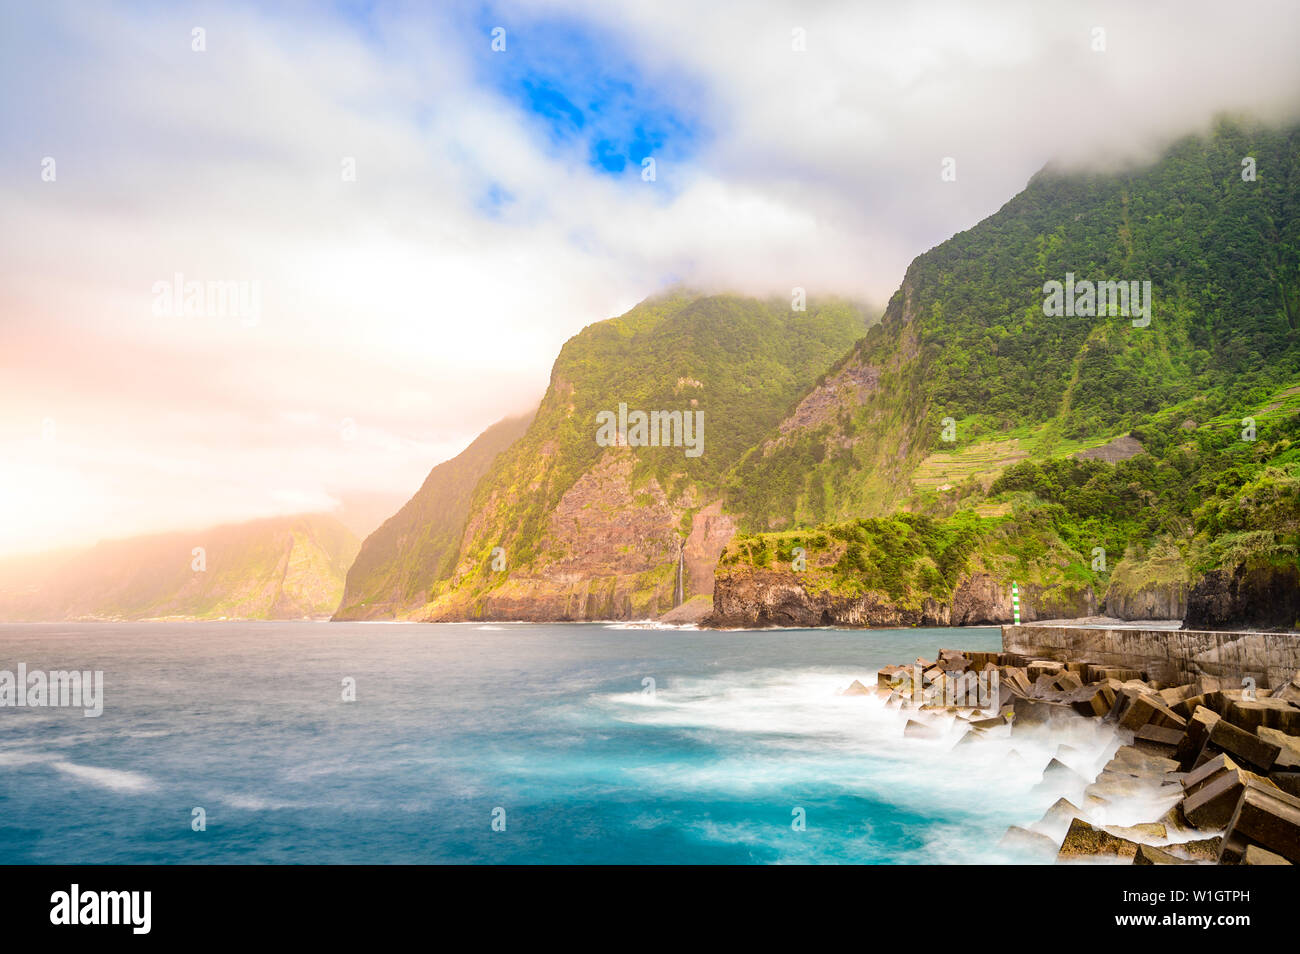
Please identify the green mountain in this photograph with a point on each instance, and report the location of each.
(277, 568)
(973, 439)
(417, 547)
(576, 522)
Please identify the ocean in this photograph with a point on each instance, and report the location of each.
(506, 743)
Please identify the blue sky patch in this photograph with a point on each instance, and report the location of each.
(581, 89)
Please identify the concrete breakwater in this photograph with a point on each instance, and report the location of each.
(1167, 655)
(1194, 771)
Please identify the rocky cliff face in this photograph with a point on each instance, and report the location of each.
(1150, 601)
(968, 397)
(617, 549)
(749, 598)
(567, 525)
(1263, 598)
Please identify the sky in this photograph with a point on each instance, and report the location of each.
(420, 203)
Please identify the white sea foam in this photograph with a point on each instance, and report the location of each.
(253, 803)
(653, 624)
(783, 730)
(113, 779)
(20, 757)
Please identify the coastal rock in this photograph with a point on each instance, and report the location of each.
(1212, 805)
(1250, 714)
(1158, 740)
(1193, 742)
(1263, 598)
(755, 597)
(920, 730)
(1255, 855)
(1056, 820)
(1198, 849)
(1150, 601)
(1247, 747)
(758, 598)
(1026, 843)
(1059, 777)
(1149, 855)
(1083, 841)
(1270, 818)
(1288, 756)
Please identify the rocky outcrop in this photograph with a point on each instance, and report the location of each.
(1263, 598)
(979, 599)
(1112, 452)
(1150, 601)
(760, 598)
(748, 598)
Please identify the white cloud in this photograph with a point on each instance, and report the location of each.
(395, 301)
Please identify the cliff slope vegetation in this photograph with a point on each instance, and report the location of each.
(1142, 468)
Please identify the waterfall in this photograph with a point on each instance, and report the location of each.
(681, 559)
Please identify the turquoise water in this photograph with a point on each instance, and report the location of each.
(552, 724)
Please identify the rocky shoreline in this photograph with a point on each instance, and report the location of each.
(747, 597)
(1214, 766)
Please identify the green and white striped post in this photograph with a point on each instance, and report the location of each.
(1015, 602)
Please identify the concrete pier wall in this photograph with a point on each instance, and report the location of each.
(1166, 655)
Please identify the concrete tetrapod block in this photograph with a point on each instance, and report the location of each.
(1148, 707)
(1036, 712)
(1148, 855)
(1084, 841)
(1288, 757)
(1250, 714)
(1096, 701)
(1269, 818)
(1198, 730)
(1245, 746)
(1289, 782)
(1158, 740)
(1040, 666)
(920, 730)
(1212, 805)
(1255, 855)
(1022, 841)
(1202, 775)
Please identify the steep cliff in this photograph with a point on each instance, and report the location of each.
(400, 562)
(588, 515)
(967, 373)
(1136, 452)
(278, 568)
